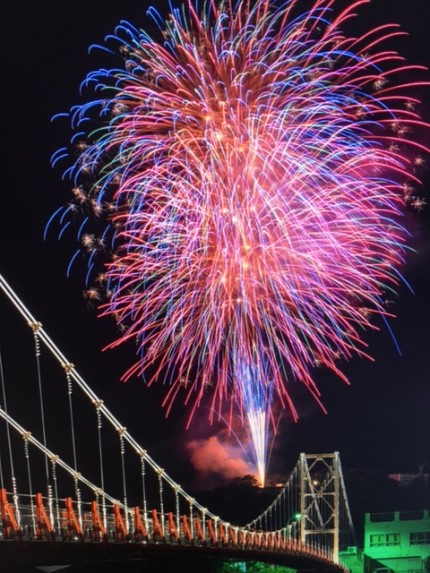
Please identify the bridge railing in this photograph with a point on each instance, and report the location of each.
(39, 518)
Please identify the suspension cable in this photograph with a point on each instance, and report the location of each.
(347, 508)
(56, 352)
(104, 412)
(59, 462)
(287, 487)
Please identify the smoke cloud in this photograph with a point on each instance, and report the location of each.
(213, 458)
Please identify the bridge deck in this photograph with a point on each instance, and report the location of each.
(26, 557)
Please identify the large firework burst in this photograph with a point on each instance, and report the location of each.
(249, 171)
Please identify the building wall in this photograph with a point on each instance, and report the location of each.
(352, 560)
(398, 541)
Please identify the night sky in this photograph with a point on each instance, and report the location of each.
(381, 421)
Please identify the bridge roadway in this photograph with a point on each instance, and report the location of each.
(18, 556)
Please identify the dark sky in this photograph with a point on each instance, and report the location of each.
(381, 421)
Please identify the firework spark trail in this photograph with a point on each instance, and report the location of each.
(251, 170)
(256, 394)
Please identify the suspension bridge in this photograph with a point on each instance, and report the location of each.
(60, 506)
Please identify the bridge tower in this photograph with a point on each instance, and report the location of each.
(323, 502)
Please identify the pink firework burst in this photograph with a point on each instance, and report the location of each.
(252, 170)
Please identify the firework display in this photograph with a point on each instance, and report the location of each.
(238, 184)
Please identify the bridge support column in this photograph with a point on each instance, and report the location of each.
(320, 500)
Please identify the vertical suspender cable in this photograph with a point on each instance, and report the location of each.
(1, 473)
(68, 367)
(78, 497)
(98, 405)
(279, 514)
(160, 490)
(30, 483)
(177, 510)
(204, 524)
(280, 522)
(142, 473)
(216, 520)
(284, 509)
(1, 463)
(191, 519)
(291, 492)
(57, 501)
(346, 505)
(274, 525)
(124, 483)
(9, 442)
(303, 506)
(35, 327)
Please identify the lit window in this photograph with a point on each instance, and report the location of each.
(419, 538)
(377, 540)
(384, 539)
(393, 538)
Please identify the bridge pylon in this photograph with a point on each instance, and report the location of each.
(323, 502)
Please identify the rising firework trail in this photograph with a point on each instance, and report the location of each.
(239, 184)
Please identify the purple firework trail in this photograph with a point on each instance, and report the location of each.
(246, 176)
